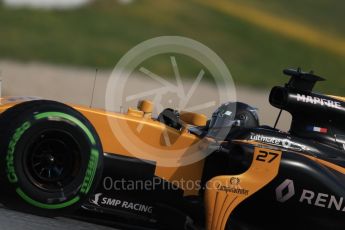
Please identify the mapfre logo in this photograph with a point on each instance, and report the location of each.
(285, 191)
(319, 101)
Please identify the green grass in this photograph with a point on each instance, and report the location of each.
(99, 34)
(327, 15)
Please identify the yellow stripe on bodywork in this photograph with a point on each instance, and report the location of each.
(225, 193)
(337, 98)
(327, 164)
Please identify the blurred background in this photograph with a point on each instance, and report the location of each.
(49, 48)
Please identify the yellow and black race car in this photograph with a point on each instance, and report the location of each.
(180, 170)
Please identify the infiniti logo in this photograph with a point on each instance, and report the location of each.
(285, 191)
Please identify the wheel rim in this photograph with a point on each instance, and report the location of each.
(53, 160)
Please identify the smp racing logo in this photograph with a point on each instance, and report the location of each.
(286, 191)
(233, 187)
(100, 200)
(95, 199)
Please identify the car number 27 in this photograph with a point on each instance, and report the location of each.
(266, 156)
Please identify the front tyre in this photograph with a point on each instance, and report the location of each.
(50, 158)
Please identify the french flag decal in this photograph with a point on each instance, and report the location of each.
(317, 129)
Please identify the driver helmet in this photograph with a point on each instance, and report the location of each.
(230, 117)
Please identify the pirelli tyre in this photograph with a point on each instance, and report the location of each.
(50, 156)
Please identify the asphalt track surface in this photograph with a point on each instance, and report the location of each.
(13, 220)
(59, 83)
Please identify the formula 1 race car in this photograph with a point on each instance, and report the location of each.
(58, 160)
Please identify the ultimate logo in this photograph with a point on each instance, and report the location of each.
(234, 187)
